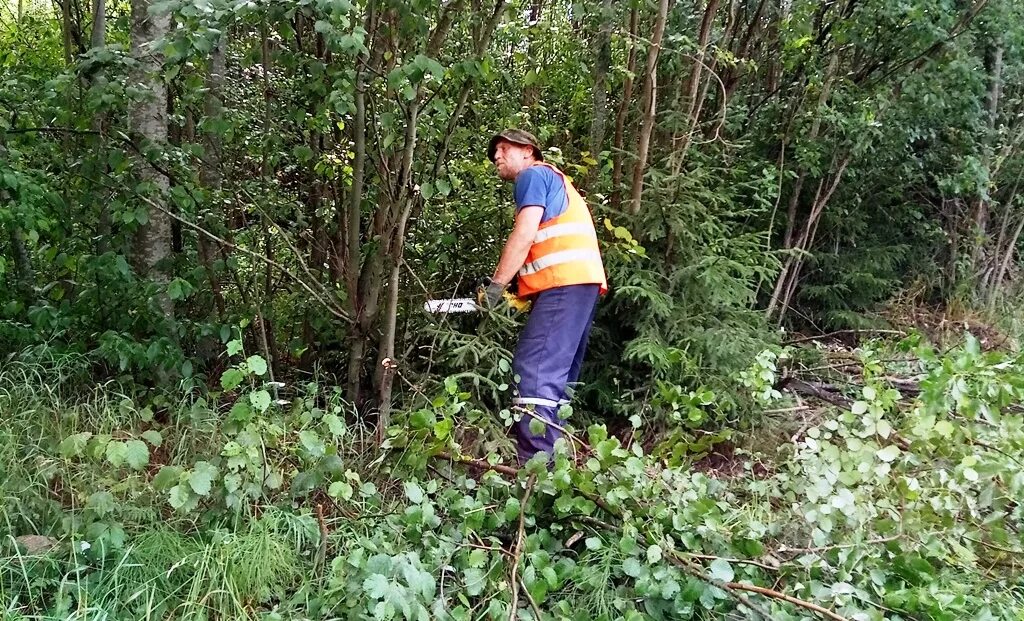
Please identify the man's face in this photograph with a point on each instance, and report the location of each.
(511, 159)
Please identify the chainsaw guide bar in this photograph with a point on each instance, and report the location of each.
(454, 305)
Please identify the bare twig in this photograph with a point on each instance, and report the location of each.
(786, 598)
(529, 598)
(479, 464)
(739, 561)
(855, 332)
(518, 549)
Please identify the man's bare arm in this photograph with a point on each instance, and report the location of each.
(518, 244)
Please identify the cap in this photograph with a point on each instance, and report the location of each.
(516, 136)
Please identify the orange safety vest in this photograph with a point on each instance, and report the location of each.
(565, 251)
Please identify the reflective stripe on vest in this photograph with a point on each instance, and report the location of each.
(559, 230)
(565, 249)
(558, 258)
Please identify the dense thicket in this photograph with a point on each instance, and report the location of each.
(309, 172)
(231, 212)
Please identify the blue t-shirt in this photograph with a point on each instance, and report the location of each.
(542, 187)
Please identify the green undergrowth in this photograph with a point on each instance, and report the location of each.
(260, 501)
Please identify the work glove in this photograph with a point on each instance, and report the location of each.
(490, 293)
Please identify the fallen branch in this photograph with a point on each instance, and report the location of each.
(479, 464)
(518, 549)
(855, 332)
(738, 561)
(786, 598)
(819, 390)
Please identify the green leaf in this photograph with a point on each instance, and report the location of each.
(153, 437)
(594, 543)
(136, 454)
(632, 567)
(256, 364)
(201, 478)
(335, 425)
(720, 569)
(234, 347)
(477, 558)
(116, 453)
(73, 445)
(100, 503)
(377, 586)
(654, 554)
(312, 442)
(179, 496)
(944, 428)
(413, 492)
(475, 580)
(260, 400)
(167, 477)
(537, 426)
(859, 407)
(340, 489)
(231, 379)
(888, 453)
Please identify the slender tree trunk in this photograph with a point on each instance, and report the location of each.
(351, 225)
(649, 98)
(65, 21)
(694, 80)
(210, 173)
(620, 118)
(24, 275)
(980, 208)
(148, 119)
(602, 63)
(99, 24)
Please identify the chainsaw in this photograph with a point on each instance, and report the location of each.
(472, 305)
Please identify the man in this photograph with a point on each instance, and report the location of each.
(553, 253)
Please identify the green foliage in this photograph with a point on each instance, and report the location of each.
(894, 503)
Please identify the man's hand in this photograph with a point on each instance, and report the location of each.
(490, 293)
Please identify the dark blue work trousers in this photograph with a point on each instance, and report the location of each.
(548, 359)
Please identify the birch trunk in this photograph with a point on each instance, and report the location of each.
(148, 121)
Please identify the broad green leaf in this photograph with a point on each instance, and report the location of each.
(340, 489)
(179, 496)
(312, 442)
(231, 379)
(100, 503)
(153, 437)
(720, 569)
(74, 445)
(260, 400)
(167, 477)
(201, 478)
(136, 454)
(888, 453)
(632, 567)
(256, 364)
(116, 453)
(413, 492)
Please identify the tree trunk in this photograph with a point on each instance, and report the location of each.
(980, 208)
(649, 98)
(210, 173)
(602, 62)
(694, 80)
(620, 118)
(99, 24)
(532, 92)
(65, 24)
(148, 120)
